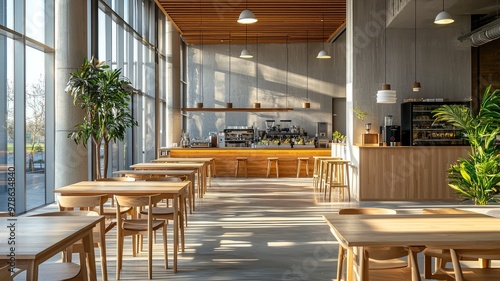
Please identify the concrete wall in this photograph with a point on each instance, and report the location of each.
(443, 65)
(228, 78)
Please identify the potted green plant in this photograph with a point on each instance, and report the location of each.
(104, 95)
(476, 178)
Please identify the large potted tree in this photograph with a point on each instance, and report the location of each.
(104, 95)
(477, 177)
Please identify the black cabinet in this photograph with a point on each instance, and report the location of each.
(418, 127)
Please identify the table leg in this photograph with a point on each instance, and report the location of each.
(102, 248)
(88, 246)
(32, 271)
(192, 194)
(350, 264)
(176, 229)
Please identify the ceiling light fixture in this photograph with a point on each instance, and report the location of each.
(245, 54)
(416, 85)
(229, 104)
(386, 95)
(323, 54)
(247, 16)
(257, 104)
(443, 17)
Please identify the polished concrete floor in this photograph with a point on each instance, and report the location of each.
(252, 229)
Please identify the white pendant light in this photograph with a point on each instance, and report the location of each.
(416, 85)
(245, 54)
(386, 95)
(443, 17)
(323, 54)
(247, 16)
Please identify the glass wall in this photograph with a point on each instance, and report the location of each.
(128, 39)
(26, 85)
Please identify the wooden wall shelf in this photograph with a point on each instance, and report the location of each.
(240, 109)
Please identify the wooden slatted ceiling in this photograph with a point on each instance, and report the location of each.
(215, 21)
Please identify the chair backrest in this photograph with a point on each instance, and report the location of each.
(66, 213)
(445, 211)
(4, 214)
(367, 211)
(170, 179)
(5, 272)
(84, 203)
(116, 179)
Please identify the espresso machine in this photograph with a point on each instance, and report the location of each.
(391, 134)
(322, 134)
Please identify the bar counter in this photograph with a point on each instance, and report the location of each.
(411, 173)
(225, 159)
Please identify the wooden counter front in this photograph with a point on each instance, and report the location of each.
(225, 159)
(406, 173)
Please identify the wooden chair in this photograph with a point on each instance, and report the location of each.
(87, 203)
(5, 274)
(115, 179)
(381, 263)
(474, 273)
(167, 213)
(441, 256)
(64, 271)
(137, 226)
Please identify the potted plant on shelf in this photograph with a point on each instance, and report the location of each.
(476, 178)
(104, 95)
(338, 137)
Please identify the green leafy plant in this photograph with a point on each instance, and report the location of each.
(360, 114)
(476, 178)
(104, 95)
(338, 136)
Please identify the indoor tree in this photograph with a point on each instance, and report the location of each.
(104, 95)
(476, 178)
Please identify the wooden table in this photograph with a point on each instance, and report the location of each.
(209, 160)
(173, 190)
(142, 174)
(199, 167)
(37, 239)
(450, 231)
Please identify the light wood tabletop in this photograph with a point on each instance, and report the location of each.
(144, 174)
(199, 167)
(451, 231)
(36, 239)
(173, 190)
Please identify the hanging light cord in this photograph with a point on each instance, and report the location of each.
(201, 71)
(323, 30)
(257, 68)
(307, 65)
(229, 67)
(286, 79)
(385, 44)
(415, 40)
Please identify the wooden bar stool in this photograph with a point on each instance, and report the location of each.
(337, 177)
(300, 159)
(242, 160)
(270, 160)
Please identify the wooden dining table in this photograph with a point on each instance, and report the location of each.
(209, 163)
(37, 239)
(144, 174)
(446, 231)
(199, 167)
(171, 190)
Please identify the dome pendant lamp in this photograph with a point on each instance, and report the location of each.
(443, 17)
(247, 16)
(245, 54)
(323, 54)
(386, 95)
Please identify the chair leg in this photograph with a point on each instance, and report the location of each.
(268, 168)
(165, 247)
(298, 167)
(277, 171)
(237, 167)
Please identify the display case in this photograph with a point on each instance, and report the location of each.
(419, 128)
(238, 137)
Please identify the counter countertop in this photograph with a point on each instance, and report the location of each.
(284, 147)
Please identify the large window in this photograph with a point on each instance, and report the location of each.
(128, 39)
(26, 85)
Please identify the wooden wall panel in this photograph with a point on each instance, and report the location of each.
(406, 173)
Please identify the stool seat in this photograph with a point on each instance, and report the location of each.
(242, 160)
(270, 160)
(299, 160)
